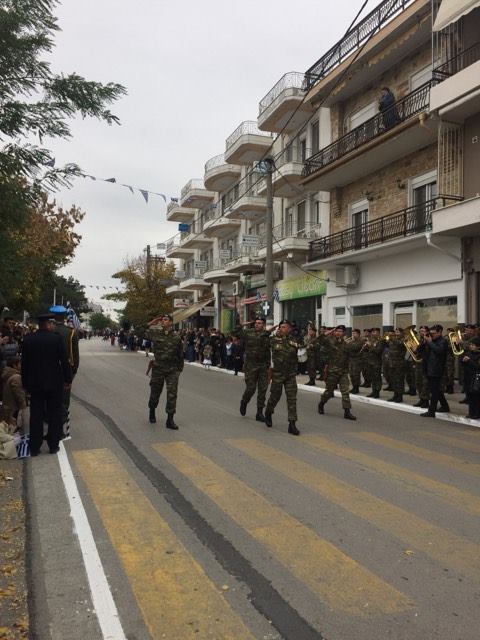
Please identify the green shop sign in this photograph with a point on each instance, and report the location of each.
(304, 287)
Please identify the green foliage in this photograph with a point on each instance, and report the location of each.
(67, 290)
(99, 321)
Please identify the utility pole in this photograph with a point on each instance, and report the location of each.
(267, 169)
(148, 265)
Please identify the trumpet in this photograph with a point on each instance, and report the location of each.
(456, 340)
(412, 342)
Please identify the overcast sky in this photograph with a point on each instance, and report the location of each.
(193, 70)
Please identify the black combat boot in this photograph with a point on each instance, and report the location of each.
(268, 419)
(311, 383)
(243, 408)
(444, 408)
(151, 416)
(412, 391)
(170, 423)
(292, 428)
(348, 415)
(374, 394)
(428, 414)
(260, 417)
(354, 390)
(449, 389)
(399, 398)
(321, 410)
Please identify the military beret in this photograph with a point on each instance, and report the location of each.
(340, 326)
(58, 308)
(45, 316)
(285, 321)
(261, 318)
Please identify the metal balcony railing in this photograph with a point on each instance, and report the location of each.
(195, 273)
(293, 229)
(248, 127)
(215, 162)
(172, 205)
(176, 241)
(354, 39)
(407, 222)
(409, 106)
(243, 252)
(291, 80)
(292, 153)
(457, 63)
(194, 183)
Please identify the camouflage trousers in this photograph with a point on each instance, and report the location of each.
(374, 372)
(334, 377)
(421, 383)
(355, 371)
(159, 378)
(410, 367)
(312, 366)
(289, 381)
(397, 376)
(256, 379)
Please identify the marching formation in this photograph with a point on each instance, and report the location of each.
(425, 360)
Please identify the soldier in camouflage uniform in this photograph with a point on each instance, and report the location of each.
(421, 380)
(373, 350)
(168, 364)
(339, 353)
(396, 357)
(284, 374)
(367, 380)
(256, 343)
(311, 343)
(356, 362)
(70, 339)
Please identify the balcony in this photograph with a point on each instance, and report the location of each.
(176, 213)
(194, 280)
(245, 260)
(221, 227)
(291, 240)
(288, 176)
(283, 108)
(175, 248)
(388, 136)
(196, 240)
(460, 219)
(216, 272)
(247, 144)
(371, 239)
(456, 94)
(194, 195)
(247, 203)
(219, 174)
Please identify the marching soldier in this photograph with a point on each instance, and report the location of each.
(367, 381)
(257, 362)
(284, 374)
(356, 362)
(167, 366)
(421, 381)
(70, 339)
(311, 343)
(339, 353)
(396, 357)
(373, 350)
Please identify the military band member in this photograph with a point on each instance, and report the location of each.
(396, 357)
(373, 350)
(421, 381)
(168, 364)
(465, 372)
(356, 362)
(284, 374)
(339, 353)
(367, 380)
(256, 342)
(311, 343)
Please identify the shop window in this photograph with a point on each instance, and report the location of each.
(437, 311)
(367, 316)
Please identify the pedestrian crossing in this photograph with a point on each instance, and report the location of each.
(177, 594)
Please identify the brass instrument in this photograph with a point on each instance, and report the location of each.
(456, 340)
(412, 342)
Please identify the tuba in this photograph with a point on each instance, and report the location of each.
(455, 338)
(412, 342)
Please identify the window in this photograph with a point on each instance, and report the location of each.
(339, 311)
(367, 316)
(359, 216)
(423, 188)
(302, 145)
(315, 136)
(420, 77)
(301, 216)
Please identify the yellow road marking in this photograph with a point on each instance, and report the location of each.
(439, 544)
(454, 442)
(424, 454)
(336, 578)
(176, 597)
(413, 481)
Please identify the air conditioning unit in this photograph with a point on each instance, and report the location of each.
(347, 275)
(238, 288)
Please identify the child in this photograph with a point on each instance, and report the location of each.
(207, 356)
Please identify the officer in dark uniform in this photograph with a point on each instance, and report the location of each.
(46, 372)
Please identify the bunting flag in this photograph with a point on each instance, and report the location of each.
(146, 193)
(100, 286)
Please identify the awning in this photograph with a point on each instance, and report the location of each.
(452, 10)
(183, 314)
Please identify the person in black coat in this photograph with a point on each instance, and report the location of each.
(434, 349)
(471, 362)
(46, 372)
(387, 108)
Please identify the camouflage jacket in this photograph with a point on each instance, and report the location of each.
(374, 350)
(257, 346)
(167, 348)
(396, 349)
(284, 354)
(339, 351)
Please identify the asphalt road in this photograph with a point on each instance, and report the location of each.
(226, 529)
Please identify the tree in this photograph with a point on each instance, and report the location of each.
(67, 290)
(37, 102)
(144, 293)
(99, 321)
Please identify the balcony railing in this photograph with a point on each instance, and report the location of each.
(407, 222)
(215, 162)
(194, 183)
(291, 80)
(354, 39)
(293, 229)
(172, 205)
(195, 273)
(292, 153)
(458, 63)
(244, 252)
(177, 240)
(411, 105)
(248, 127)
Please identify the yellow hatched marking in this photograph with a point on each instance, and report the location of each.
(413, 481)
(424, 454)
(438, 543)
(176, 597)
(454, 442)
(337, 579)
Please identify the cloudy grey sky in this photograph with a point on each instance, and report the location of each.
(193, 70)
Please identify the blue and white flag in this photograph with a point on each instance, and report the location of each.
(276, 295)
(72, 318)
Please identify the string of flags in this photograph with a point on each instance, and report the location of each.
(99, 286)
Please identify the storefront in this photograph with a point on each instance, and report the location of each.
(301, 298)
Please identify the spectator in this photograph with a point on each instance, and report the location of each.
(387, 108)
(14, 398)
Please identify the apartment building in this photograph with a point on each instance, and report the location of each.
(375, 213)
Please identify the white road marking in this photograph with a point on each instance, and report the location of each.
(104, 605)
